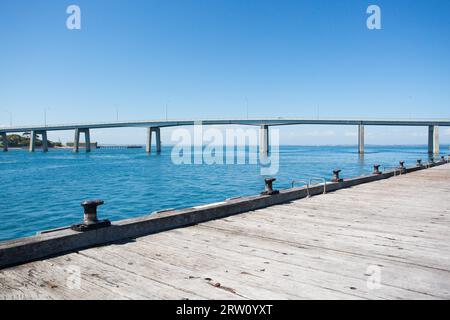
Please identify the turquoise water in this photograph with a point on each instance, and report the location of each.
(43, 191)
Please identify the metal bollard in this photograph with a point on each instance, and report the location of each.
(376, 169)
(90, 210)
(402, 167)
(419, 163)
(336, 177)
(268, 190)
(90, 220)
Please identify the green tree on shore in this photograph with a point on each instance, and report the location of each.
(23, 141)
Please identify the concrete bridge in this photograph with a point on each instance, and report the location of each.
(154, 126)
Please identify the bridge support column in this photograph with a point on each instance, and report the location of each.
(32, 141)
(361, 139)
(87, 140)
(433, 140)
(44, 141)
(4, 137)
(158, 139)
(157, 131)
(264, 140)
(76, 141)
(148, 146)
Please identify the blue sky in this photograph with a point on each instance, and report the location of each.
(210, 58)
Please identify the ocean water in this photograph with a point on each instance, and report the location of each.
(41, 191)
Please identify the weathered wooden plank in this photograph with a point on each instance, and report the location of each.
(305, 270)
(352, 265)
(340, 243)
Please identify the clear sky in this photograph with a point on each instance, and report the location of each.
(213, 58)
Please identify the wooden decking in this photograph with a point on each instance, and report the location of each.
(331, 246)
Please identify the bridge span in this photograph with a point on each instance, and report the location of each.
(154, 126)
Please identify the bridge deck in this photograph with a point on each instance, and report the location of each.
(322, 247)
(279, 121)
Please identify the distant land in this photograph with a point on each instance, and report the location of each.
(22, 141)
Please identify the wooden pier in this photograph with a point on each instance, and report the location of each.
(388, 239)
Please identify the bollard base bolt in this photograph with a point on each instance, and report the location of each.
(270, 193)
(88, 227)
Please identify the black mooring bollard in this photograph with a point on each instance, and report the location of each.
(90, 210)
(376, 169)
(90, 220)
(402, 166)
(336, 177)
(268, 190)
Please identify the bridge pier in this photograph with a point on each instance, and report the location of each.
(157, 131)
(361, 139)
(44, 141)
(32, 141)
(4, 137)
(433, 140)
(87, 140)
(33, 137)
(264, 140)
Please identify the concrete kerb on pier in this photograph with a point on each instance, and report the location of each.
(65, 240)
